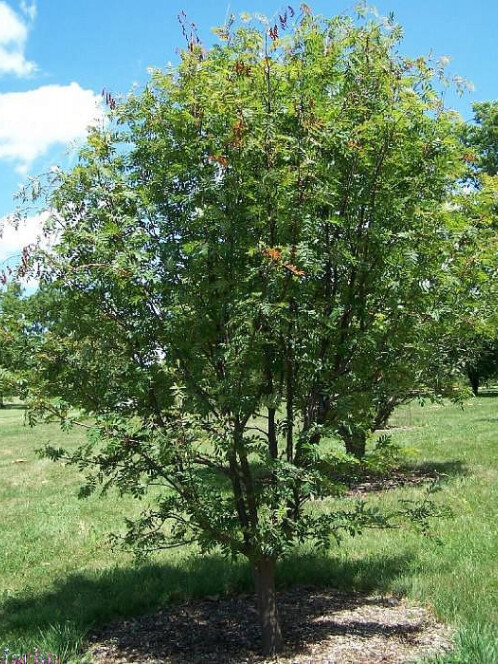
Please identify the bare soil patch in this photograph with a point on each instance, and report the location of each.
(319, 626)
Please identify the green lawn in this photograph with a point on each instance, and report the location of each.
(58, 574)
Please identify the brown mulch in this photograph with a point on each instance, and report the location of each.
(395, 479)
(318, 627)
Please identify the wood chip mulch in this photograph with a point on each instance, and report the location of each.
(396, 479)
(318, 627)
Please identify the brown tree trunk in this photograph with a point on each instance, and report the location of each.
(383, 414)
(356, 443)
(272, 434)
(474, 379)
(264, 580)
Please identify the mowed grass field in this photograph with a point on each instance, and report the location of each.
(59, 575)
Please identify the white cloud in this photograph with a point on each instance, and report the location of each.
(32, 122)
(13, 36)
(13, 240)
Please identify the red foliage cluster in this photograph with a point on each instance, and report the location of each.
(109, 99)
(219, 159)
(275, 255)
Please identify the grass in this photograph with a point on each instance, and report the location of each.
(58, 575)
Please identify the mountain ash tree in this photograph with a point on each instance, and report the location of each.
(251, 253)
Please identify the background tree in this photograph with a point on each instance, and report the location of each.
(12, 346)
(482, 137)
(480, 201)
(484, 363)
(250, 254)
(22, 333)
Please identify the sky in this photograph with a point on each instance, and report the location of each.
(56, 56)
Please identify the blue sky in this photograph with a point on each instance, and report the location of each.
(57, 55)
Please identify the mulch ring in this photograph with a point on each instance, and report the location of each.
(395, 479)
(318, 626)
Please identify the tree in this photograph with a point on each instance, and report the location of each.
(480, 202)
(483, 364)
(250, 254)
(11, 346)
(21, 336)
(482, 137)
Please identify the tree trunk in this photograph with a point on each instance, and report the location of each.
(474, 380)
(356, 443)
(272, 434)
(264, 580)
(383, 414)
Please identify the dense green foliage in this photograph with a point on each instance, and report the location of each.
(14, 340)
(480, 202)
(23, 328)
(482, 136)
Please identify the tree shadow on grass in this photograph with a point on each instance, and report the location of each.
(436, 469)
(88, 600)
(492, 420)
